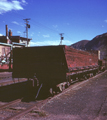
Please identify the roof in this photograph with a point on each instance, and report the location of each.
(18, 44)
(18, 38)
(5, 44)
(3, 39)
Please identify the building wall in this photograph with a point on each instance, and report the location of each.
(24, 42)
(4, 50)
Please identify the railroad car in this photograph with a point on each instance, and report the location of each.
(54, 66)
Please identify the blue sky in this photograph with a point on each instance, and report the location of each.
(77, 19)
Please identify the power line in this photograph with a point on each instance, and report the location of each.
(43, 26)
(40, 24)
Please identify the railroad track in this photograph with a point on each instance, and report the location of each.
(15, 109)
(10, 103)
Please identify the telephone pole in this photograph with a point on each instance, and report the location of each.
(61, 38)
(27, 26)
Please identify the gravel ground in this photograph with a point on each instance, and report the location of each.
(87, 101)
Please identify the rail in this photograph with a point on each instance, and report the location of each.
(22, 112)
(10, 103)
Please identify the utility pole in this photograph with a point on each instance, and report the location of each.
(61, 38)
(24, 33)
(27, 26)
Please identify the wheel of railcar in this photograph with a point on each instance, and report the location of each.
(85, 77)
(60, 88)
(67, 85)
(51, 92)
(94, 73)
(88, 76)
(69, 80)
(63, 87)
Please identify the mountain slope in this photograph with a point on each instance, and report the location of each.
(97, 43)
(80, 45)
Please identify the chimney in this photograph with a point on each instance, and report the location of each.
(6, 30)
(10, 33)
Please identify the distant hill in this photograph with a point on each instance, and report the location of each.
(97, 43)
(80, 45)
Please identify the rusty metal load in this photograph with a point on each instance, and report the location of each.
(80, 59)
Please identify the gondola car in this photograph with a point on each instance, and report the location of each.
(53, 65)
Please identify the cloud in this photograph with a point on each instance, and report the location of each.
(14, 22)
(23, 1)
(67, 23)
(18, 32)
(6, 5)
(46, 43)
(1, 34)
(55, 26)
(32, 34)
(106, 21)
(46, 36)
